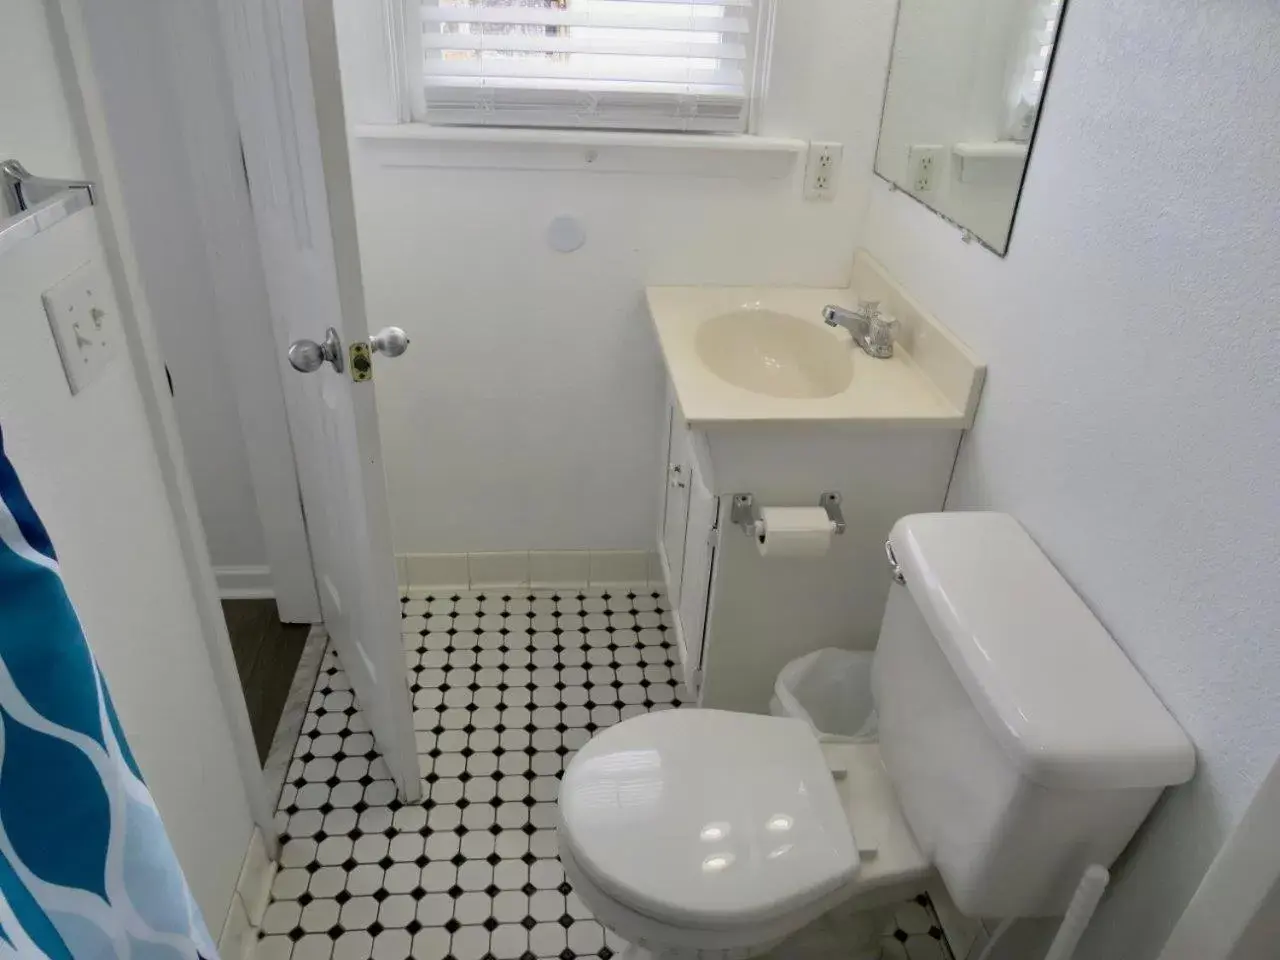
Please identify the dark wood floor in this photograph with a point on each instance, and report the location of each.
(267, 653)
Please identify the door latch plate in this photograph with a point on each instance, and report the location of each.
(361, 362)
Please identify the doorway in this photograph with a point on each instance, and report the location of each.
(267, 654)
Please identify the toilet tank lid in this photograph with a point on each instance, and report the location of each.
(1058, 694)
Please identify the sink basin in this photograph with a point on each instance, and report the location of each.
(774, 354)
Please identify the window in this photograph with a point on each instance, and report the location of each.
(682, 65)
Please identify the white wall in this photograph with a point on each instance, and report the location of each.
(525, 415)
(38, 133)
(1130, 413)
(89, 466)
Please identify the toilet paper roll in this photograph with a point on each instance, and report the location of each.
(794, 532)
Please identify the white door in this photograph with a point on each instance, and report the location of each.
(289, 102)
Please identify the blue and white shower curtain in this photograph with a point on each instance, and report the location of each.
(86, 868)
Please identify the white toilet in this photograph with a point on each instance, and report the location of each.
(1017, 746)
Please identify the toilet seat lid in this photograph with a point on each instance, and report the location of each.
(707, 818)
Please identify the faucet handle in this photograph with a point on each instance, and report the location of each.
(882, 330)
(870, 309)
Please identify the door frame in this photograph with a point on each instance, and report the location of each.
(1234, 909)
(74, 46)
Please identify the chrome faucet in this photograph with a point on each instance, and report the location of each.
(871, 330)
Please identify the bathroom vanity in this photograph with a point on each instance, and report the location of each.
(764, 399)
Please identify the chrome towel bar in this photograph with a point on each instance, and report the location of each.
(30, 205)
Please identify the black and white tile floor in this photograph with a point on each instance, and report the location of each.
(506, 687)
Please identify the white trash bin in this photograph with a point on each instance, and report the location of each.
(831, 691)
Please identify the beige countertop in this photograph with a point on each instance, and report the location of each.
(935, 384)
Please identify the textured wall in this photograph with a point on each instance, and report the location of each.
(1132, 409)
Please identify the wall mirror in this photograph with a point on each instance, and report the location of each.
(966, 82)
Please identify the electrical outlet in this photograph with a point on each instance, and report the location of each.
(822, 171)
(924, 167)
(81, 313)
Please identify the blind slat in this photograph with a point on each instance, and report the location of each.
(584, 17)
(553, 70)
(552, 44)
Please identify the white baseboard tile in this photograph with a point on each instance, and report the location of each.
(610, 567)
(559, 568)
(657, 571)
(437, 570)
(244, 583)
(256, 876)
(239, 936)
(539, 569)
(509, 569)
(964, 934)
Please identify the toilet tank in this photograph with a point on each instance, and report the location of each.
(1022, 743)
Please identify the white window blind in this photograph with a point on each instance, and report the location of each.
(681, 65)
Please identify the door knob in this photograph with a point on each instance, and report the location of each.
(307, 356)
(390, 341)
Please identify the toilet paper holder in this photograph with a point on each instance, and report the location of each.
(746, 513)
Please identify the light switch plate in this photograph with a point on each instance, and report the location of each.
(82, 315)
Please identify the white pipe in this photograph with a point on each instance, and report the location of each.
(1079, 912)
(1000, 931)
(1092, 886)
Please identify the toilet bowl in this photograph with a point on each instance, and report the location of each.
(748, 835)
(1017, 747)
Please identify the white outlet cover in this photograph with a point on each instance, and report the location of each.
(822, 171)
(82, 316)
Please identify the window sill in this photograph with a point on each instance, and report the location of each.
(591, 151)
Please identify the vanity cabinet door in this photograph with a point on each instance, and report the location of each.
(699, 561)
(675, 515)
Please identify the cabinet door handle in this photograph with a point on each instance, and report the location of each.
(675, 476)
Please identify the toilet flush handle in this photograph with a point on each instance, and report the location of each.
(894, 565)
